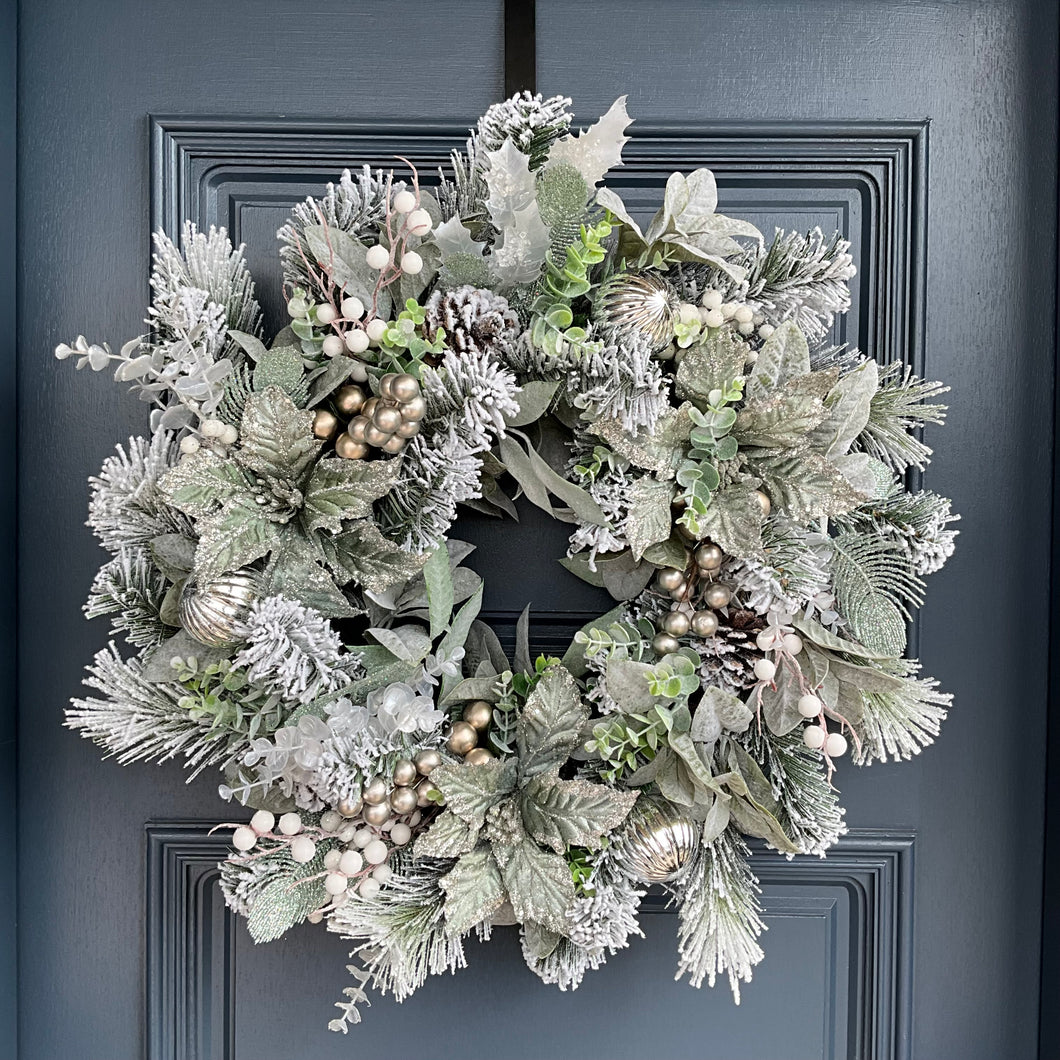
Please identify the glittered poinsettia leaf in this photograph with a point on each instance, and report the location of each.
(733, 520)
(660, 450)
(470, 790)
(473, 890)
(202, 482)
(806, 487)
(345, 489)
(295, 571)
(238, 534)
(784, 355)
(539, 885)
(561, 813)
(550, 724)
(361, 554)
(276, 437)
(649, 519)
(789, 415)
(449, 836)
(711, 364)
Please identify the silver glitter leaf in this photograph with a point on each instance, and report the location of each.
(276, 437)
(473, 890)
(787, 417)
(561, 813)
(470, 790)
(661, 450)
(733, 520)
(345, 489)
(710, 365)
(539, 886)
(550, 725)
(784, 355)
(237, 535)
(649, 520)
(449, 836)
(361, 553)
(201, 483)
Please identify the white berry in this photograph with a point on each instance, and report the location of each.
(375, 852)
(229, 435)
(687, 312)
(333, 346)
(326, 314)
(352, 308)
(766, 330)
(368, 888)
(332, 859)
(765, 670)
(375, 329)
(351, 863)
(792, 643)
(419, 222)
(356, 340)
(244, 838)
(746, 328)
(744, 314)
(212, 428)
(813, 736)
(835, 745)
(711, 299)
(382, 873)
(334, 883)
(714, 318)
(290, 824)
(728, 310)
(768, 639)
(400, 834)
(809, 706)
(331, 821)
(411, 263)
(303, 849)
(189, 444)
(263, 822)
(377, 257)
(346, 833)
(404, 202)
(362, 837)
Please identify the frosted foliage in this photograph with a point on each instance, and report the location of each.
(291, 650)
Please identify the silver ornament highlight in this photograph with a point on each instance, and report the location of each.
(216, 613)
(641, 305)
(659, 842)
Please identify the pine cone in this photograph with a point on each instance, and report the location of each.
(474, 320)
(730, 655)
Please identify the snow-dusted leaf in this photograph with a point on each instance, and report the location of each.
(361, 553)
(784, 355)
(597, 149)
(345, 489)
(550, 724)
(276, 437)
(539, 885)
(733, 520)
(473, 890)
(848, 410)
(562, 813)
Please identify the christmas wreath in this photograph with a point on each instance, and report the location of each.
(300, 618)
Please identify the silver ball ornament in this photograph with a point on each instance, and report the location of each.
(664, 644)
(404, 388)
(676, 623)
(377, 813)
(403, 800)
(427, 761)
(669, 578)
(478, 714)
(215, 613)
(658, 842)
(414, 410)
(375, 791)
(477, 755)
(718, 595)
(405, 772)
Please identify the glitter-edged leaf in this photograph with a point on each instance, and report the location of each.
(361, 554)
(449, 836)
(561, 813)
(202, 482)
(276, 437)
(539, 885)
(470, 790)
(473, 890)
(650, 519)
(233, 537)
(550, 724)
(345, 489)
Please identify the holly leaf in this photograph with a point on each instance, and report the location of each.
(473, 890)
(294, 571)
(276, 437)
(805, 486)
(202, 482)
(597, 149)
(361, 554)
(650, 519)
(539, 885)
(345, 489)
(471, 790)
(733, 520)
(449, 836)
(233, 537)
(550, 724)
(562, 813)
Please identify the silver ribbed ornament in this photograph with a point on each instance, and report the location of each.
(658, 841)
(640, 305)
(216, 613)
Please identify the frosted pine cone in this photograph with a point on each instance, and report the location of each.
(730, 655)
(474, 320)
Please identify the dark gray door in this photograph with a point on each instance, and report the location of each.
(925, 131)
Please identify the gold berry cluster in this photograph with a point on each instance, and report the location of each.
(385, 421)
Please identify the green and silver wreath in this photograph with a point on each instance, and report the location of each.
(299, 617)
